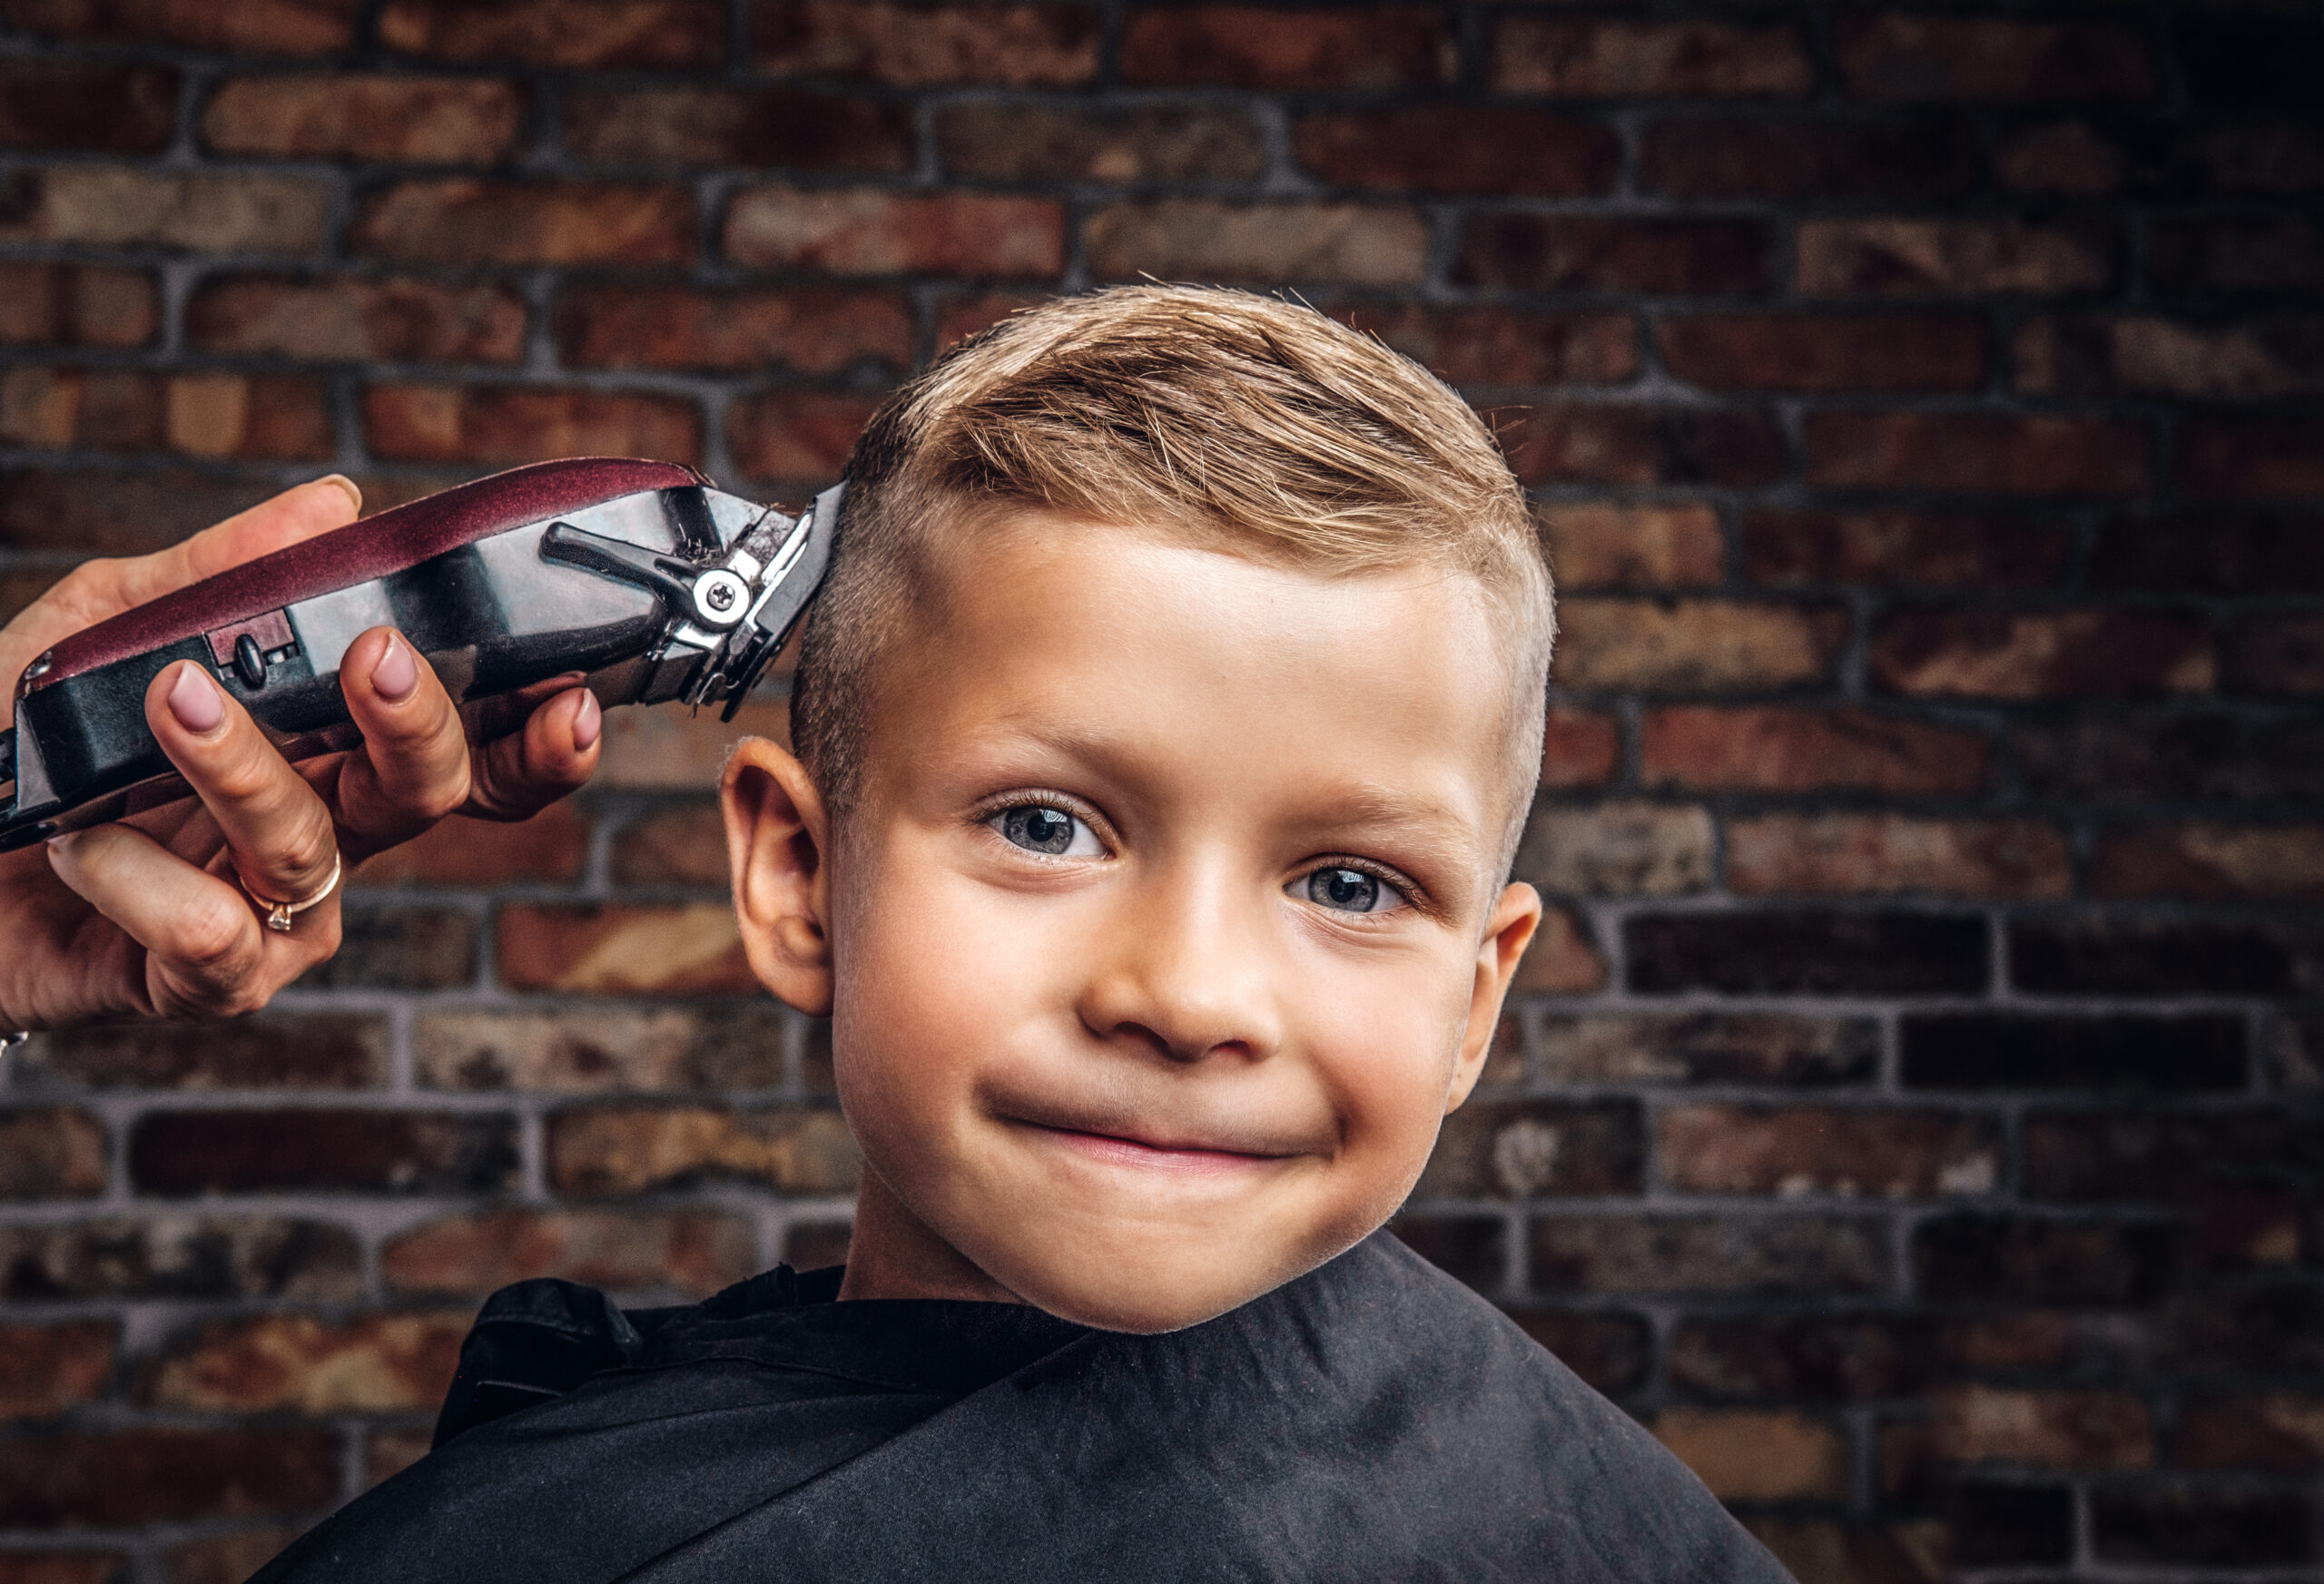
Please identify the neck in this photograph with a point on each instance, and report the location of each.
(894, 1253)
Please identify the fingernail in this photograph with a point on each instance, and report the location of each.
(395, 676)
(587, 722)
(347, 484)
(195, 701)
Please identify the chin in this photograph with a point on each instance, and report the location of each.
(1145, 1295)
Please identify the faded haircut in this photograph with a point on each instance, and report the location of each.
(1229, 421)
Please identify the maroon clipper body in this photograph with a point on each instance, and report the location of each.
(635, 576)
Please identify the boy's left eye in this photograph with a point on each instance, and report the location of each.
(1348, 890)
(1047, 829)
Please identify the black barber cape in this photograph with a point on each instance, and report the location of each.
(1371, 1421)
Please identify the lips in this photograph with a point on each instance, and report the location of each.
(1174, 1155)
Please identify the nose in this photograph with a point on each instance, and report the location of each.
(1183, 971)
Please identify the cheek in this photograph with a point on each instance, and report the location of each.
(1386, 1039)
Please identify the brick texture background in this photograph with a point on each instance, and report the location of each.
(1915, 1112)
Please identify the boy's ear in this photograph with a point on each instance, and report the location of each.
(1508, 933)
(778, 853)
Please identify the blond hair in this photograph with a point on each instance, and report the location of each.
(1224, 418)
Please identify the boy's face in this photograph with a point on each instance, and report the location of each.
(1162, 936)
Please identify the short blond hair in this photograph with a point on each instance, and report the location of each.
(1220, 418)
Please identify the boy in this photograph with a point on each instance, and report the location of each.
(1165, 730)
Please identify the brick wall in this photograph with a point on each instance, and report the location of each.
(1915, 1109)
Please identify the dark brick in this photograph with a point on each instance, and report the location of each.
(2060, 156)
(398, 949)
(1470, 1248)
(2124, 957)
(1548, 252)
(559, 33)
(680, 844)
(1698, 158)
(91, 511)
(1981, 1050)
(2275, 1328)
(464, 852)
(1527, 1149)
(232, 1556)
(2031, 654)
(435, 120)
(1647, 1254)
(796, 434)
(2017, 1259)
(760, 128)
(340, 319)
(2197, 755)
(2245, 56)
(1819, 1359)
(291, 27)
(1617, 58)
(1780, 952)
(919, 46)
(1330, 243)
(2144, 355)
(1951, 257)
(2275, 654)
(92, 106)
(2214, 862)
(2275, 254)
(2197, 1528)
(319, 1050)
(2210, 553)
(51, 1152)
(1460, 149)
(1796, 1150)
(46, 1370)
(815, 1245)
(1978, 453)
(1904, 56)
(2265, 154)
(1505, 347)
(1981, 1524)
(1141, 144)
(2150, 1155)
(1612, 1352)
(180, 1256)
(512, 424)
(322, 1151)
(690, 1048)
(2280, 1432)
(811, 329)
(1709, 1047)
(1893, 548)
(1797, 750)
(1821, 352)
(1250, 46)
(113, 1479)
(1600, 443)
(2252, 456)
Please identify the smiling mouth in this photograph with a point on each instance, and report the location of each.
(1175, 1156)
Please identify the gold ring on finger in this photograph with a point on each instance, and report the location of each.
(280, 915)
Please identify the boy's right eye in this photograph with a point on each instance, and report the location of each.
(1047, 829)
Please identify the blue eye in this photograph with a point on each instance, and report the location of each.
(1039, 828)
(1349, 891)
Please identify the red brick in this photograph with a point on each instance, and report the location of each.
(2279, 655)
(670, 750)
(180, 1256)
(273, 1363)
(1882, 854)
(782, 128)
(1603, 58)
(682, 949)
(125, 1478)
(91, 511)
(602, 1049)
(1709, 1047)
(1904, 549)
(1250, 46)
(386, 1453)
(461, 852)
(289, 27)
(2282, 1432)
(473, 220)
(1562, 960)
(2064, 156)
(2276, 253)
(229, 1558)
(308, 1050)
(2252, 456)
(199, 211)
(1601, 443)
(1505, 347)
(77, 305)
(1573, 252)
(1807, 352)
(695, 1251)
(2022, 1259)
(510, 424)
(1755, 1455)
(2043, 1430)
(1436, 148)
(926, 45)
(63, 1568)
(351, 320)
(1144, 143)
(1706, 157)
(47, 1368)
(1904, 56)
(221, 415)
(2159, 357)
(2198, 863)
(1728, 1253)
(1695, 646)
(1611, 1353)
(1335, 243)
(1797, 750)
(965, 314)
(1533, 1149)
(1792, 1152)
(87, 106)
(559, 33)
(682, 843)
(51, 1152)
(868, 233)
(1626, 848)
(1975, 452)
(1950, 258)
(1593, 545)
(815, 331)
(799, 436)
(339, 1150)
(2030, 655)
(462, 120)
(602, 1150)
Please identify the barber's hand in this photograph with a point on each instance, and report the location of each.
(146, 918)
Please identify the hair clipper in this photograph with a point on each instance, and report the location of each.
(634, 576)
